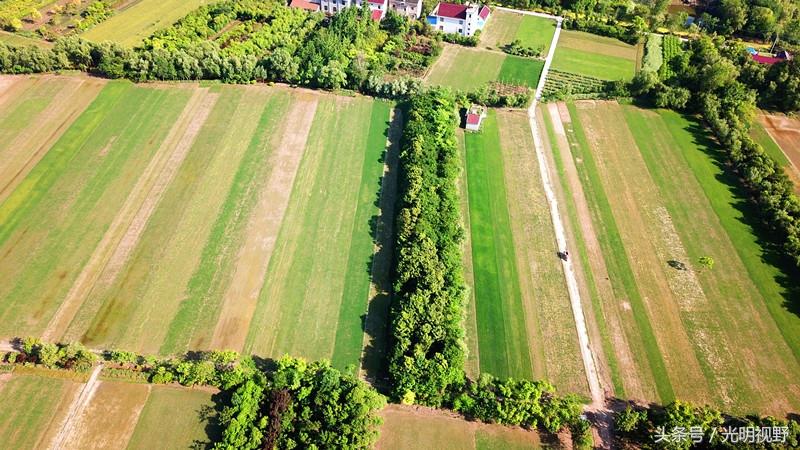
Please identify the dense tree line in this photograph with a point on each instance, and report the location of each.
(71, 356)
(706, 81)
(301, 405)
(637, 426)
(778, 85)
(427, 350)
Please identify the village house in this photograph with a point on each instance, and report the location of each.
(463, 19)
(408, 8)
(475, 116)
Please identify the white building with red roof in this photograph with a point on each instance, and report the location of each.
(475, 116)
(378, 7)
(463, 19)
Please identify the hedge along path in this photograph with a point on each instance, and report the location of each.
(138, 309)
(192, 327)
(239, 302)
(124, 232)
(56, 217)
(634, 381)
(108, 419)
(30, 145)
(631, 193)
(548, 313)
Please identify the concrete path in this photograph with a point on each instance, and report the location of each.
(530, 13)
(597, 410)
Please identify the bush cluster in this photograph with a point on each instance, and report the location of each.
(427, 349)
(467, 41)
(516, 48)
(301, 405)
(625, 33)
(637, 426)
(72, 356)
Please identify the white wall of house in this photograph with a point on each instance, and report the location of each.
(334, 6)
(408, 8)
(465, 27)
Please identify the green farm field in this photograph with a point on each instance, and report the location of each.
(32, 409)
(504, 27)
(407, 428)
(596, 56)
(175, 217)
(173, 418)
(132, 24)
(468, 69)
(656, 200)
(522, 315)
(17, 40)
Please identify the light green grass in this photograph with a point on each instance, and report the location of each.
(616, 260)
(316, 288)
(35, 95)
(535, 31)
(502, 334)
(173, 418)
(22, 41)
(523, 71)
(51, 223)
(465, 69)
(29, 405)
(760, 135)
(130, 26)
(194, 322)
(485, 440)
(593, 65)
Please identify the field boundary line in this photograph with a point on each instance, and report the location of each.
(76, 409)
(531, 13)
(385, 228)
(124, 231)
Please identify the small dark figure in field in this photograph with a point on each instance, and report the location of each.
(676, 265)
(564, 255)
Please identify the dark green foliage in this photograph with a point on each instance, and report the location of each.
(72, 356)
(467, 41)
(427, 350)
(625, 33)
(637, 427)
(516, 48)
(243, 424)
(778, 85)
(497, 94)
(526, 403)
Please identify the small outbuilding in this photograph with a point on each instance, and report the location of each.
(475, 116)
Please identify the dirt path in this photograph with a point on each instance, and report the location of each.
(123, 234)
(32, 143)
(380, 288)
(77, 408)
(252, 262)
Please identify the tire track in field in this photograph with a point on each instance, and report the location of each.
(123, 234)
(76, 410)
(33, 143)
(252, 262)
(631, 382)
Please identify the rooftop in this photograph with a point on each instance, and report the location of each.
(451, 10)
(303, 4)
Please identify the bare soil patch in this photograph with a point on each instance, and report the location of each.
(239, 303)
(786, 133)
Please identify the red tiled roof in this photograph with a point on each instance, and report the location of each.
(484, 12)
(767, 59)
(452, 11)
(303, 4)
(473, 119)
(376, 15)
(377, 2)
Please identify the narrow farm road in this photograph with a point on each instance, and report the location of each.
(76, 409)
(597, 410)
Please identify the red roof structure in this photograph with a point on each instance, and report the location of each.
(377, 15)
(303, 4)
(473, 119)
(767, 59)
(484, 12)
(377, 2)
(452, 11)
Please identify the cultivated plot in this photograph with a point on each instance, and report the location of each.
(505, 27)
(468, 69)
(175, 417)
(17, 40)
(33, 409)
(596, 56)
(131, 25)
(780, 137)
(217, 222)
(417, 427)
(657, 201)
(522, 311)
